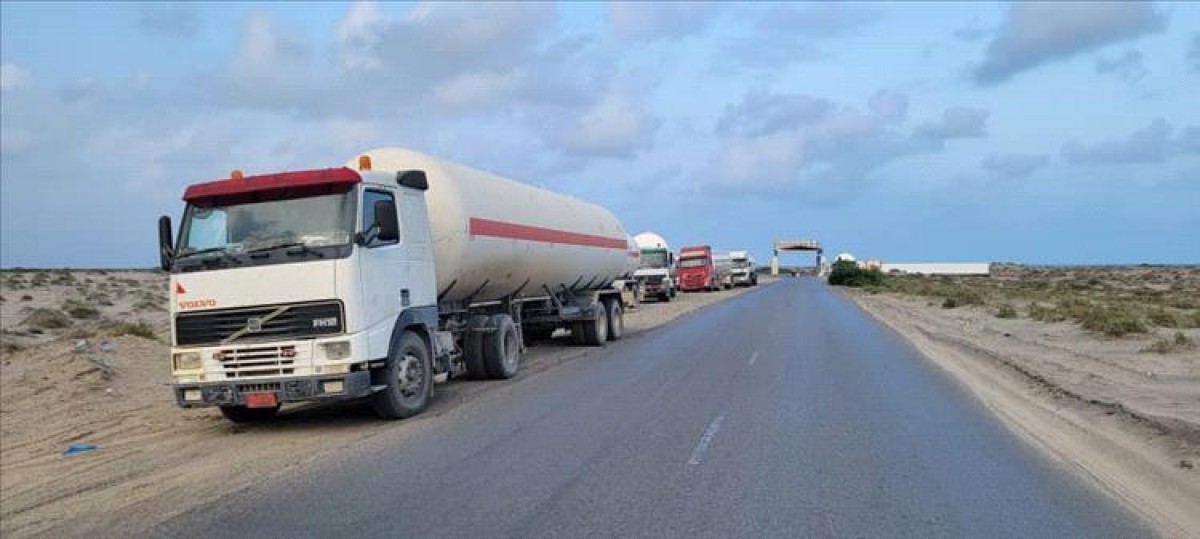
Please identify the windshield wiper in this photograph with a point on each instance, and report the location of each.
(304, 249)
(203, 252)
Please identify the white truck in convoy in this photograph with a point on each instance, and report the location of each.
(377, 279)
(656, 266)
(743, 272)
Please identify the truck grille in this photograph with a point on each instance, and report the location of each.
(257, 361)
(245, 324)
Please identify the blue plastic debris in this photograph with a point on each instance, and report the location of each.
(75, 449)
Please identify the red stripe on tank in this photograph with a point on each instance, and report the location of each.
(501, 229)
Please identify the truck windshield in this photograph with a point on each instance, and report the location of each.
(317, 221)
(653, 259)
(695, 262)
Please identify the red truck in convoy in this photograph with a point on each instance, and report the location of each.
(696, 270)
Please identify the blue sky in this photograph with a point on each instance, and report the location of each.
(1027, 132)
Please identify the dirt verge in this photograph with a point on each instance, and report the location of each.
(102, 379)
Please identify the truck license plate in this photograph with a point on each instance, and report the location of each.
(261, 400)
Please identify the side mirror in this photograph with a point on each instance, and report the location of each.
(414, 179)
(385, 219)
(166, 243)
(670, 258)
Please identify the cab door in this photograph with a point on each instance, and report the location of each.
(384, 272)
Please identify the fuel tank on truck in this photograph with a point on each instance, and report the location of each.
(494, 237)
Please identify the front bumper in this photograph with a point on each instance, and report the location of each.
(290, 389)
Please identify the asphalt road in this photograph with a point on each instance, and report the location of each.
(785, 412)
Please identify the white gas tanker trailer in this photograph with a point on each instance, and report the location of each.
(376, 280)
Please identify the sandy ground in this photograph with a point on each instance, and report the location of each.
(1108, 410)
(154, 460)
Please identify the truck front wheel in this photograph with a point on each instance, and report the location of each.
(502, 348)
(408, 377)
(243, 414)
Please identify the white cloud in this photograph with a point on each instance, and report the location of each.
(957, 122)
(782, 143)
(14, 140)
(1036, 33)
(476, 89)
(616, 126)
(1151, 144)
(357, 34)
(174, 19)
(271, 68)
(761, 113)
(1014, 165)
(651, 21)
(12, 77)
(1194, 51)
(1127, 67)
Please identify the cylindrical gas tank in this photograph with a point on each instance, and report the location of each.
(494, 237)
(650, 240)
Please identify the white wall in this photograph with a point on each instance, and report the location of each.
(939, 268)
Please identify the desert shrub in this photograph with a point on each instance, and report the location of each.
(63, 278)
(1166, 345)
(42, 319)
(1006, 311)
(9, 347)
(1112, 321)
(137, 329)
(849, 274)
(80, 310)
(961, 296)
(1042, 313)
(1163, 318)
(100, 299)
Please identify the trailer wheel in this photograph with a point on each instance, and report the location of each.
(616, 320)
(595, 332)
(243, 414)
(502, 348)
(473, 347)
(409, 380)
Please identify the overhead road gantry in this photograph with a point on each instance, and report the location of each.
(796, 245)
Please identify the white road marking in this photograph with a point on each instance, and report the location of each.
(705, 439)
(753, 358)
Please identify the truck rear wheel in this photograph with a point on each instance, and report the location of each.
(243, 414)
(502, 348)
(595, 332)
(616, 320)
(473, 347)
(408, 376)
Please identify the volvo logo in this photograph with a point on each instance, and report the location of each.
(254, 324)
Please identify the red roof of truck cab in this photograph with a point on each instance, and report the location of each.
(704, 249)
(282, 185)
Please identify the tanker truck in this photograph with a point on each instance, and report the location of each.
(375, 280)
(656, 266)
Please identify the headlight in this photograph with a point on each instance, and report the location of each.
(188, 361)
(336, 350)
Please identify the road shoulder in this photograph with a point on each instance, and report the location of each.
(1140, 460)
